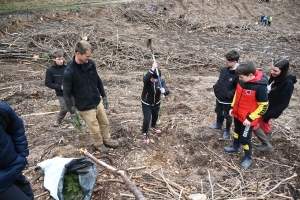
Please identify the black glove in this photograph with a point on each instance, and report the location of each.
(105, 102)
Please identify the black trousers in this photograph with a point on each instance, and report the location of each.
(148, 112)
(223, 109)
(242, 135)
(20, 190)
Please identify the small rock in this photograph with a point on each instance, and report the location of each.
(197, 197)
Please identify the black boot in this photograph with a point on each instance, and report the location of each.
(220, 120)
(58, 120)
(265, 144)
(234, 148)
(226, 133)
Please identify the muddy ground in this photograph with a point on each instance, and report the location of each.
(190, 39)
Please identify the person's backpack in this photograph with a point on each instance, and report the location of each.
(265, 18)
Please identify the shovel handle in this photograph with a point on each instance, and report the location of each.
(154, 60)
(159, 81)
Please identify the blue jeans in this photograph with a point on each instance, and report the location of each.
(21, 189)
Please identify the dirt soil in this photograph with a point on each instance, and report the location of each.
(190, 39)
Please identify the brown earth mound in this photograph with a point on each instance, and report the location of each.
(190, 39)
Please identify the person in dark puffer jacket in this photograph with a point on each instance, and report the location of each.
(151, 99)
(54, 79)
(224, 91)
(13, 153)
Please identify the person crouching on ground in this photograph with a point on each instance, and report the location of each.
(151, 100)
(224, 91)
(280, 90)
(81, 80)
(249, 103)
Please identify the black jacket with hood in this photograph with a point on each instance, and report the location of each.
(84, 84)
(226, 85)
(279, 98)
(54, 78)
(151, 92)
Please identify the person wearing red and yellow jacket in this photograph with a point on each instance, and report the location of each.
(249, 103)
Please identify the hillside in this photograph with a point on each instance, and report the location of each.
(190, 39)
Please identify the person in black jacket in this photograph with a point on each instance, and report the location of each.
(54, 79)
(280, 90)
(224, 91)
(81, 80)
(13, 153)
(151, 99)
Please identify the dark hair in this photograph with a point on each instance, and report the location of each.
(283, 65)
(155, 74)
(246, 68)
(57, 54)
(83, 46)
(232, 56)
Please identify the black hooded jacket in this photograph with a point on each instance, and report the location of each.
(151, 92)
(84, 84)
(226, 85)
(54, 78)
(279, 98)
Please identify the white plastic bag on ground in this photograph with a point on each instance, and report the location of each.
(56, 168)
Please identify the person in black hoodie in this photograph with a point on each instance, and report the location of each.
(224, 91)
(81, 80)
(280, 90)
(54, 79)
(13, 153)
(150, 99)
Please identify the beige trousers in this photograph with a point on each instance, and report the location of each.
(98, 124)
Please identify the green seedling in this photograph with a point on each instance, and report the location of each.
(76, 122)
(160, 112)
(71, 188)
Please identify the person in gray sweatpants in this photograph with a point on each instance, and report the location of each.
(54, 79)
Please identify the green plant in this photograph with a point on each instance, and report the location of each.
(71, 188)
(76, 121)
(45, 56)
(160, 111)
(175, 97)
(51, 108)
(72, 8)
(100, 5)
(26, 37)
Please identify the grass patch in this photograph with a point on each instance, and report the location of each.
(71, 8)
(8, 6)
